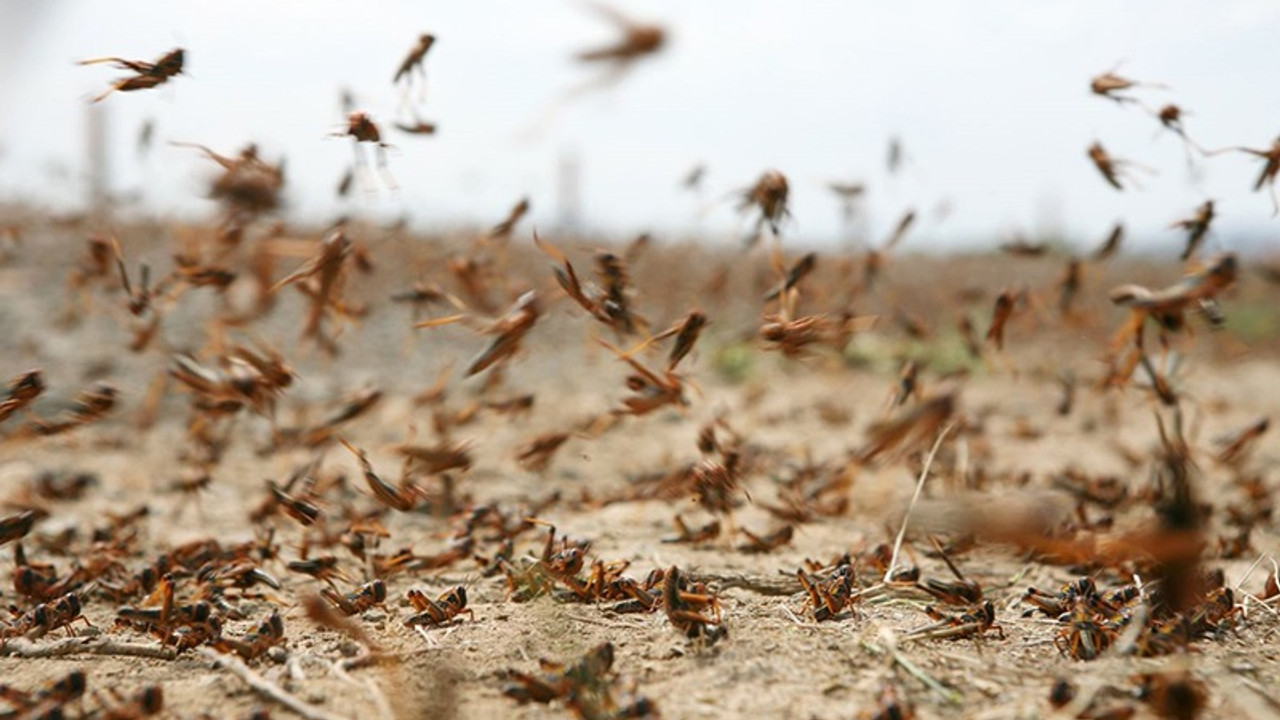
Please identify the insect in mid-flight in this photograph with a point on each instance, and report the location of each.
(1270, 169)
(637, 41)
(1197, 226)
(361, 128)
(769, 195)
(148, 75)
(412, 67)
(1109, 166)
(1109, 85)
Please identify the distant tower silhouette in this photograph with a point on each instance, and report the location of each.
(97, 161)
(568, 193)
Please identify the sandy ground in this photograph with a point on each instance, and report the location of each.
(776, 660)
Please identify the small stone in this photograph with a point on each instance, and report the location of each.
(277, 654)
(349, 648)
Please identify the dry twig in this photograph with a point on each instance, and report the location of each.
(265, 687)
(21, 647)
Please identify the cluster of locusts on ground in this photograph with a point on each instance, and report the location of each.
(1141, 548)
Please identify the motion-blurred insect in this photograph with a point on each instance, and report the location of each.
(610, 303)
(961, 592)
(801, 269)
(148, 75)
(1109, 84)
(417, 127)
(412, 66)
(352, 406)
(22, 390)
(1069, 287)
(502, 230)
(436, 458)
(141, 296)
(146, 135)
(895, 155)
(849, 194)
(692, 179)
(48, 702)
(1067, 382)
(650, 390)
(693, 536)
(345, 182)
(17, 526)
(114, 705)
(908, 427)
(794, 335)
(890, 707)
(686, 333)
(1005, 305)
(769, 195)
(1020, 246)
(1111, 245)
(361, 129)
(248, 185)
(768, 542)
(536, 454)
(1170, 117)
(324, 568)
(875, 259)
(1197, 227)
(1109, 166)
(637, 41)
(1270, 169)
(1235, 446)
(91, 405)
(1168, 307)
(968, 333)
(1174, 693)
(508, 331)
(402, 499)
(908, 385)
(300, 510)
(321, 280)
(584, 684)
(794, 338)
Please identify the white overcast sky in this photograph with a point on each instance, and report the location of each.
(990, 99)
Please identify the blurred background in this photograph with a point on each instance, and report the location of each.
(989, 101)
